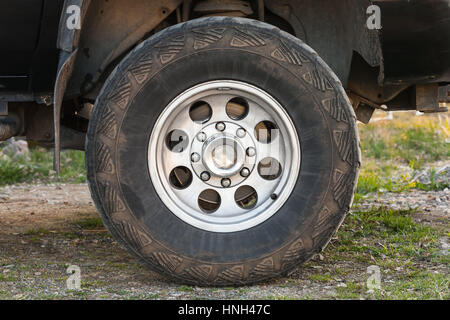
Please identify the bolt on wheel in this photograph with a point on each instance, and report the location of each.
(224, 156)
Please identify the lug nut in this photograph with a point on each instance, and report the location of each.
(241, 133)
(201, 137)
(245, 172)
(220, 126)
(251, 152)
(205, 176)
(226, 182)
(195, 157)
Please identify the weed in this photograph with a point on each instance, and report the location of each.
(90, 223)
(37, 232)
(38, 166)
(185, 289)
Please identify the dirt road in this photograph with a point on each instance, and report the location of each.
(46, 228)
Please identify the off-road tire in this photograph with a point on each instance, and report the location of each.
(165, 65)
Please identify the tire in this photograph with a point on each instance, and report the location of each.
(181, 57)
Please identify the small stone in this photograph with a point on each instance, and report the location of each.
(443, 175)
(423, 177)
(15, 149)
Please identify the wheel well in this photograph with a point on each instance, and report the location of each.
(112, 28)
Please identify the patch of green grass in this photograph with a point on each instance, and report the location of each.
(405, 251)
(70, 235)
(376, 177)
(417, 285)
(38, 166)
(119, 265)
(409, 139)
(119, 292)
(420, 285)
(49, 296)
(4, 295)
(352, 290)
(319, 277)
(94, 283)
(185, 289)
(36, 234)
(80, 294)
(38, 231)
(35, 239)
(395, 231)
(90, 223)
(421, 144)
(243, 291)
(7, 278)
(375, 148)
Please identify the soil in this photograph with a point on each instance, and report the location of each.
(46, 228)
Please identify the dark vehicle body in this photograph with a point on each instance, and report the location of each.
(29, 52)
(415, 42)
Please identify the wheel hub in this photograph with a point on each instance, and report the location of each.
(224, 156)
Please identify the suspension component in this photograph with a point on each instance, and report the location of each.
(234, 8)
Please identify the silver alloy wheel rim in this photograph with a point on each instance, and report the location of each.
(231, 173)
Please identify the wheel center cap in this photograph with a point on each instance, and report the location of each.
(223, 155)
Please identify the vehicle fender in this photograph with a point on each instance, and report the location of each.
(334, 29)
